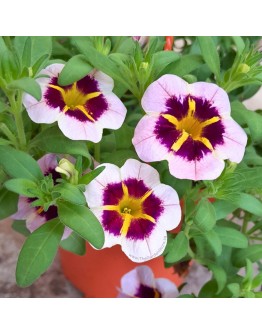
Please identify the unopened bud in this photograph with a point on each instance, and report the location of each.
(243, 68)
(68, 169)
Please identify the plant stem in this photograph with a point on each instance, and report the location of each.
(16, 108)
(244, 226)
(6, 131)
(97, 152)
(8, 42)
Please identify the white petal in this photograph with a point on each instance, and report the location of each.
(213, 93)
(95, 189)
(156, 95)
(147, 249)
(140, 171)
(235, 140)
(167, 288)
(147, 147)
(105, 82)
(77, 130)
(171, 216)
(114, 116)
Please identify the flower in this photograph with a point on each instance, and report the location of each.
(140, 282)
(189, 125)
(36, 216)
(142, 40)
(82, 109)
(134, 208)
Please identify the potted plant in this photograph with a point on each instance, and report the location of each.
(140, 147)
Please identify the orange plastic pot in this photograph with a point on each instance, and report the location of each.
(97, 274)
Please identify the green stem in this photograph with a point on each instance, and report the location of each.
(5, 130)
(244, 226)
(8, 42)
(97, 152)
(16, 108)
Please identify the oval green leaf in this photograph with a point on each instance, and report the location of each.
(74, 244)
(205, 217)
(253, 253)
(21, 186)
(28, 85)
(19, 164)
(75, 69)
(52, 140)
(81, 220)
(38, 252)
(210, 54)
(178, 248)
(231, 237)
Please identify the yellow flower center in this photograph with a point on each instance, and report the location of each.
(190, 126)
(130, 208)
(76, 99)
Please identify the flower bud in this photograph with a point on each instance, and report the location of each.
(243, 68)
(68, 169)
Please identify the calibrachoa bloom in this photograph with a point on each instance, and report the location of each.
(134, 208)
(189, 125)
(140, 282)
(142, 40)
(82, 109)
(36, 216)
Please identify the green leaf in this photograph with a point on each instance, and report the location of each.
(209, 290)
(52, 140)
(70, 193)
(38, 252)
(257, 281)
(253, 253)
(75, 69)
(252, 157)
(249, 203)
(19, 164)
(161, 60)
(27, 85)
(185, 65)
(186, 296)
(210, 54)
(235, 289)
(247, 281)
(98, 60)
(214, 241)
(40, 45)
(26, 56)
(205, 217)
(124, 137)
(81, 220)
(20, 227)
(240, 44)
(74, 244)
(118, 157)
(8, 202)
(231, 237)
(253, 120)
(87, 178)
(21, 186)
(223, 208)
(178, 248)
(219, 275)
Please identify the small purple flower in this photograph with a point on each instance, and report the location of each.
(134, 208)
(140, 283)
(36, 216)
(142, 40)
(189, 125)
(82, 109)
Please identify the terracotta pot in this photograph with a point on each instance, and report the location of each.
(97, 274)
